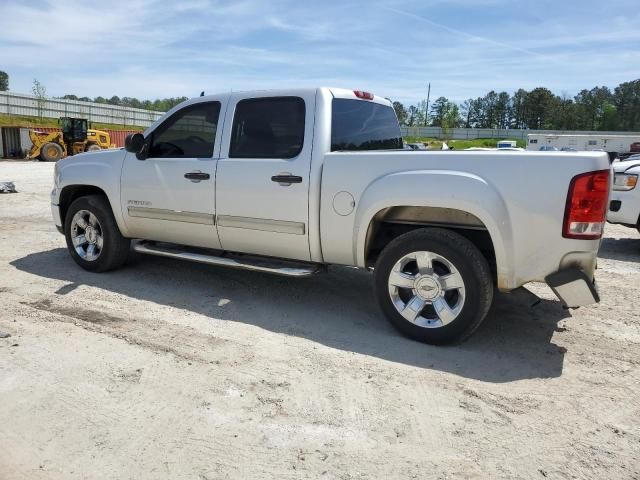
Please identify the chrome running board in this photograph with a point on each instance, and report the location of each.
(225, 259)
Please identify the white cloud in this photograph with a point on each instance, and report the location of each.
(160, 48)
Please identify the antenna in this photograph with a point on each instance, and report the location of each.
(202, 93)
(426, 111)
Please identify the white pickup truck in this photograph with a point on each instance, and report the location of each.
(624, 205)
(289, 181)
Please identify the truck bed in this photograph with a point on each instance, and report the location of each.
(520, 198)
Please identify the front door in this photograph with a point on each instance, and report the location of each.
(170, 196)
(262, 186)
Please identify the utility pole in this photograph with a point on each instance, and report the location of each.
(426, 113)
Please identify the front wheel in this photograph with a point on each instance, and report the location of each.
(434, 285)
(51, 152)
(93, 237)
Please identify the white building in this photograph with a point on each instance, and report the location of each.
(612, 144)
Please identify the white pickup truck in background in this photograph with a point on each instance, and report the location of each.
(290, 181)
(624, 205)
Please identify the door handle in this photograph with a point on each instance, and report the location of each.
(197, 176)
(286, 179)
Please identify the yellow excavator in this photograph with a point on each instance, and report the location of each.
(74, 138)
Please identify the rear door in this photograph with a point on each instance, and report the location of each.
(262, 183)
(170, 196)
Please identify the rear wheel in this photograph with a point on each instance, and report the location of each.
(92, 235)
(51, 152)
(434, 285)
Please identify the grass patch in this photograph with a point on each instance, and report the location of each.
(436, 143)
(34, 122)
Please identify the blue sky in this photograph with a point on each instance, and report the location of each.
(153, 48)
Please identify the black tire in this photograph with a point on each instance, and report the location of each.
(470, 264)
(51, 152)
(92, 147)
(115, 248)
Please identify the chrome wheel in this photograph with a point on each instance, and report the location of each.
(86, 235)
(426, 289)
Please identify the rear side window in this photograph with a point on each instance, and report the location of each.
(188, 133)
(361, 125)
(268, 128)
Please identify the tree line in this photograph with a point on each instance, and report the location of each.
(158, 105)
(539, 109)
(598, 109)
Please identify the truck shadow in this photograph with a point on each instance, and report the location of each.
(338, 310)
(623, 249)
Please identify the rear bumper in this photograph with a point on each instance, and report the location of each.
(573, 287)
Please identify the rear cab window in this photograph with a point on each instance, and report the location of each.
(363, 125)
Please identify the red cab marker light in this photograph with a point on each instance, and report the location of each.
(363, 95)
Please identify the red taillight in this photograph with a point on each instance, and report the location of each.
(363, 95)
(586, 209)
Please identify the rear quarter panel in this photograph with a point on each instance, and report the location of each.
(519, 196)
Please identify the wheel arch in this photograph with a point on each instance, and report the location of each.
(391, 222)
(72, 192)
(461, 202)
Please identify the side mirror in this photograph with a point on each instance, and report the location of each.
(135, 143)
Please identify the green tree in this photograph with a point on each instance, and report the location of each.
(490, 102)
(468, 112)
(590, 107)
(438, 111)
(40, 92)
(626, 98)
(401, 112)
(539, 105)
(413, 112)
(451, 117)
(518, 109)
(446, 114)
(564, 113)
(502, 110)
(4, 81)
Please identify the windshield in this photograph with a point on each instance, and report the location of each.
(362, 125)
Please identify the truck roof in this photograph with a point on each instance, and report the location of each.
(335, 92)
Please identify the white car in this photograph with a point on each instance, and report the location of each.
(624, 204)
(289, 181)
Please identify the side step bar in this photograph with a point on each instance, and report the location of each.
(245, 262)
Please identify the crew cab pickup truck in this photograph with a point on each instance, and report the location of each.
(290, 181)
(624, 206)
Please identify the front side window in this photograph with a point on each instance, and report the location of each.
(270, 127)
(363, 125)
(188, 133)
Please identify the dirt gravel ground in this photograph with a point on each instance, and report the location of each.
(176, 370)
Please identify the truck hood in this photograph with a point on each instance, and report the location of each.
(107, 155)
(620, 167)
